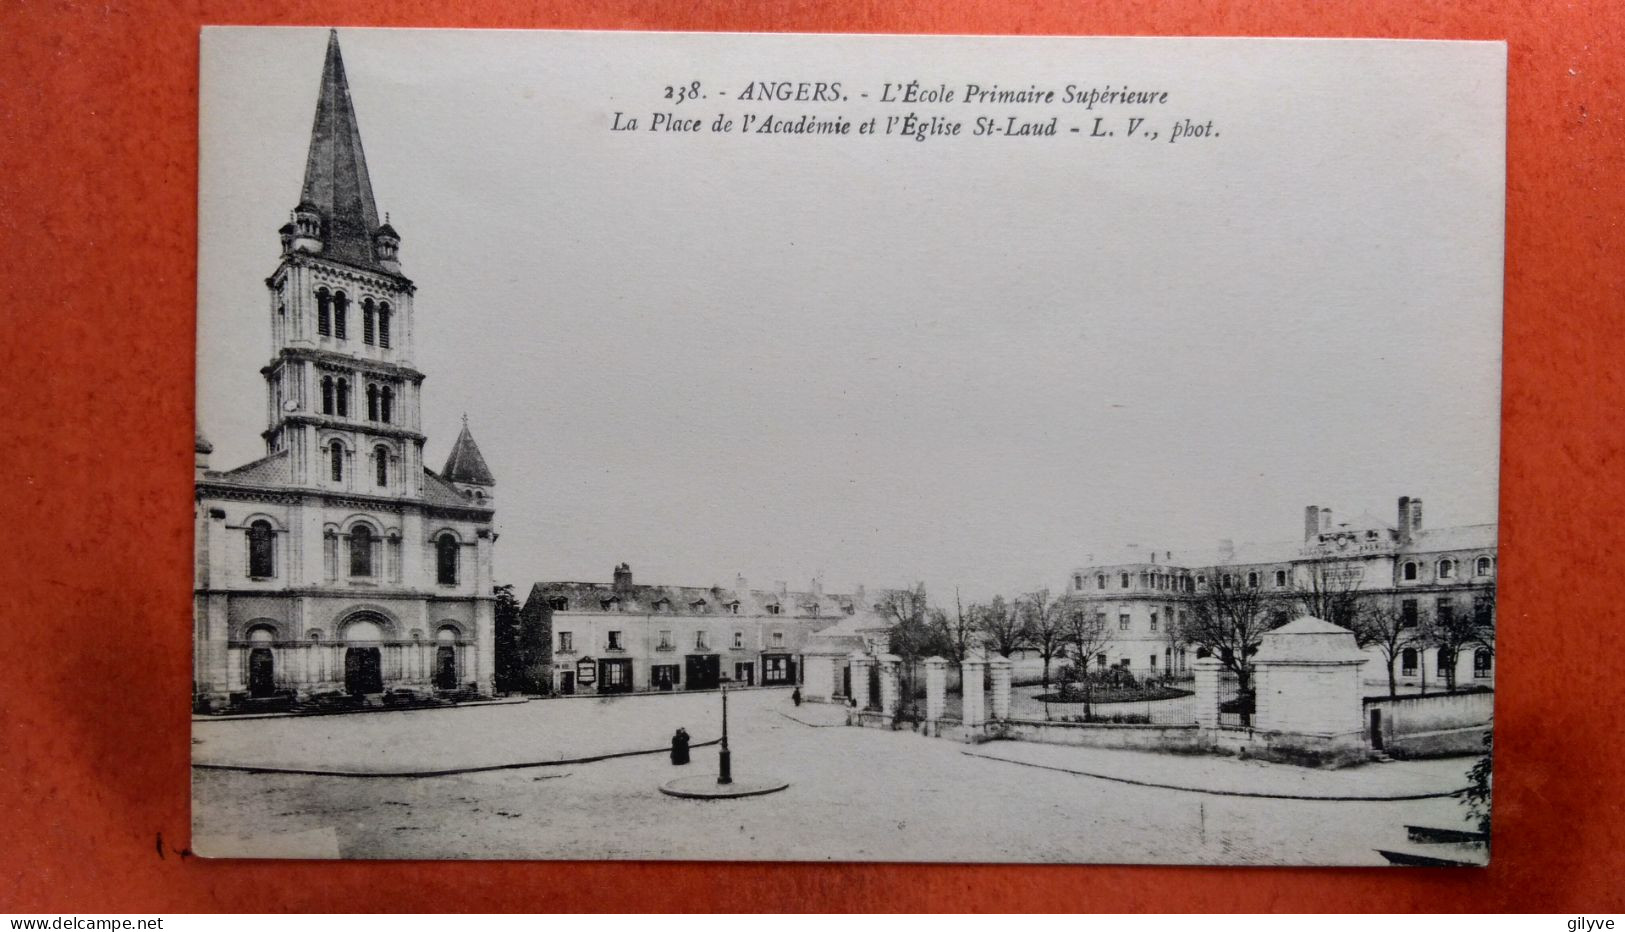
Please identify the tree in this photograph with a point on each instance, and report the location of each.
(1384, 627)
(1228, 621)
(910, 633)
(1003, 626)
(958, 632)
(510, 661)
(1328, 590)
(1046, 631)
(1086, 635)
(1453, 631)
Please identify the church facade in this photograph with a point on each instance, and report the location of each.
(338, 563)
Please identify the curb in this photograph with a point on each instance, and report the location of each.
(408, 774)
(1209, 792)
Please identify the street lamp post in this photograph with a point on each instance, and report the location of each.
(725, 758)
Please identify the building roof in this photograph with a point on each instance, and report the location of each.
(437, 491)
(337, 185)
(1461, 537)
(201, 443)
(465, 464)
(268, 470)
(1309, 640)
(684, 600)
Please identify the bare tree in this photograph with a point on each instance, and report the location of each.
(1328, 590)
(1086, 635)
(1229, 621)
(957, 632)
(1046, 628)
(910, 634)
(1380, 624)
(1003, 625)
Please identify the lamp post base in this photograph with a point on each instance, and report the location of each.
(726, 762)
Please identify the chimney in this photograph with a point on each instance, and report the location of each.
(782, 586)
(860, 598)
(1416, 516)
(1325, 519)
(818, 587)
(1404, 524)
(623, 578)
(1227, 550)
(740, 582)
(1311, 521)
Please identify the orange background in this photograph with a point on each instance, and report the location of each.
(98, 136)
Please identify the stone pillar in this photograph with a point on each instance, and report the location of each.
(999, 667)
(936, 688)
(970, 688)
(818, 677)
(889, 664)
(860, 663)
(1209, 671)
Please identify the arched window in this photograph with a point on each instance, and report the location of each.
(361, 547)
(372, 402)
(1252, 580)
(383, 324)
(386, 404)
(366, 321)
(1407, 662)
(261, 550)
(1481, 567)
(1280, 579)
(335, 454)
(341, 308)
(1077, 581)
(1447, 661)
(341, 393)
(445, 551)
(380, 465)
(324, 313)
(1447, 569)
(1410, 571)
(327, 394)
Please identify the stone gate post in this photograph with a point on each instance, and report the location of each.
(860, 663)
(936, 688)
(817, 677)
(1208, 672)
(999, 668)
(972, 710)
(889, 664)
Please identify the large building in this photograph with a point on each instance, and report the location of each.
(622, 636)
(1144, 596)
(339, 562)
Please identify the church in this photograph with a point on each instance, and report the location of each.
(339, 567)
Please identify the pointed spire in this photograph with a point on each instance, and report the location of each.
(466, 464)
(337, 185)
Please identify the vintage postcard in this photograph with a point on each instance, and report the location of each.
(858, 448)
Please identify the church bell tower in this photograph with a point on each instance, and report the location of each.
(342, 391)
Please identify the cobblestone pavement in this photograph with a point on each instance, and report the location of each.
(855, 794)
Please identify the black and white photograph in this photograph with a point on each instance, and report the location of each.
(743, 447)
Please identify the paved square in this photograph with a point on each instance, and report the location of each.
(855, 794)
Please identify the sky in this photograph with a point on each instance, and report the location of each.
(965, 361)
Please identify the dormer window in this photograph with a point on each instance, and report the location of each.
(611, 604)
(733, 608)
(662, 605)
(773, 609)
(698, 605)
(559, 604)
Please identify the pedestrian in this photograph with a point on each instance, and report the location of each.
(795, 696)
(679, 748)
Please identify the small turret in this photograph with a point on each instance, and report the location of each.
(386, 245)
(465, 468)
(306, 232)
